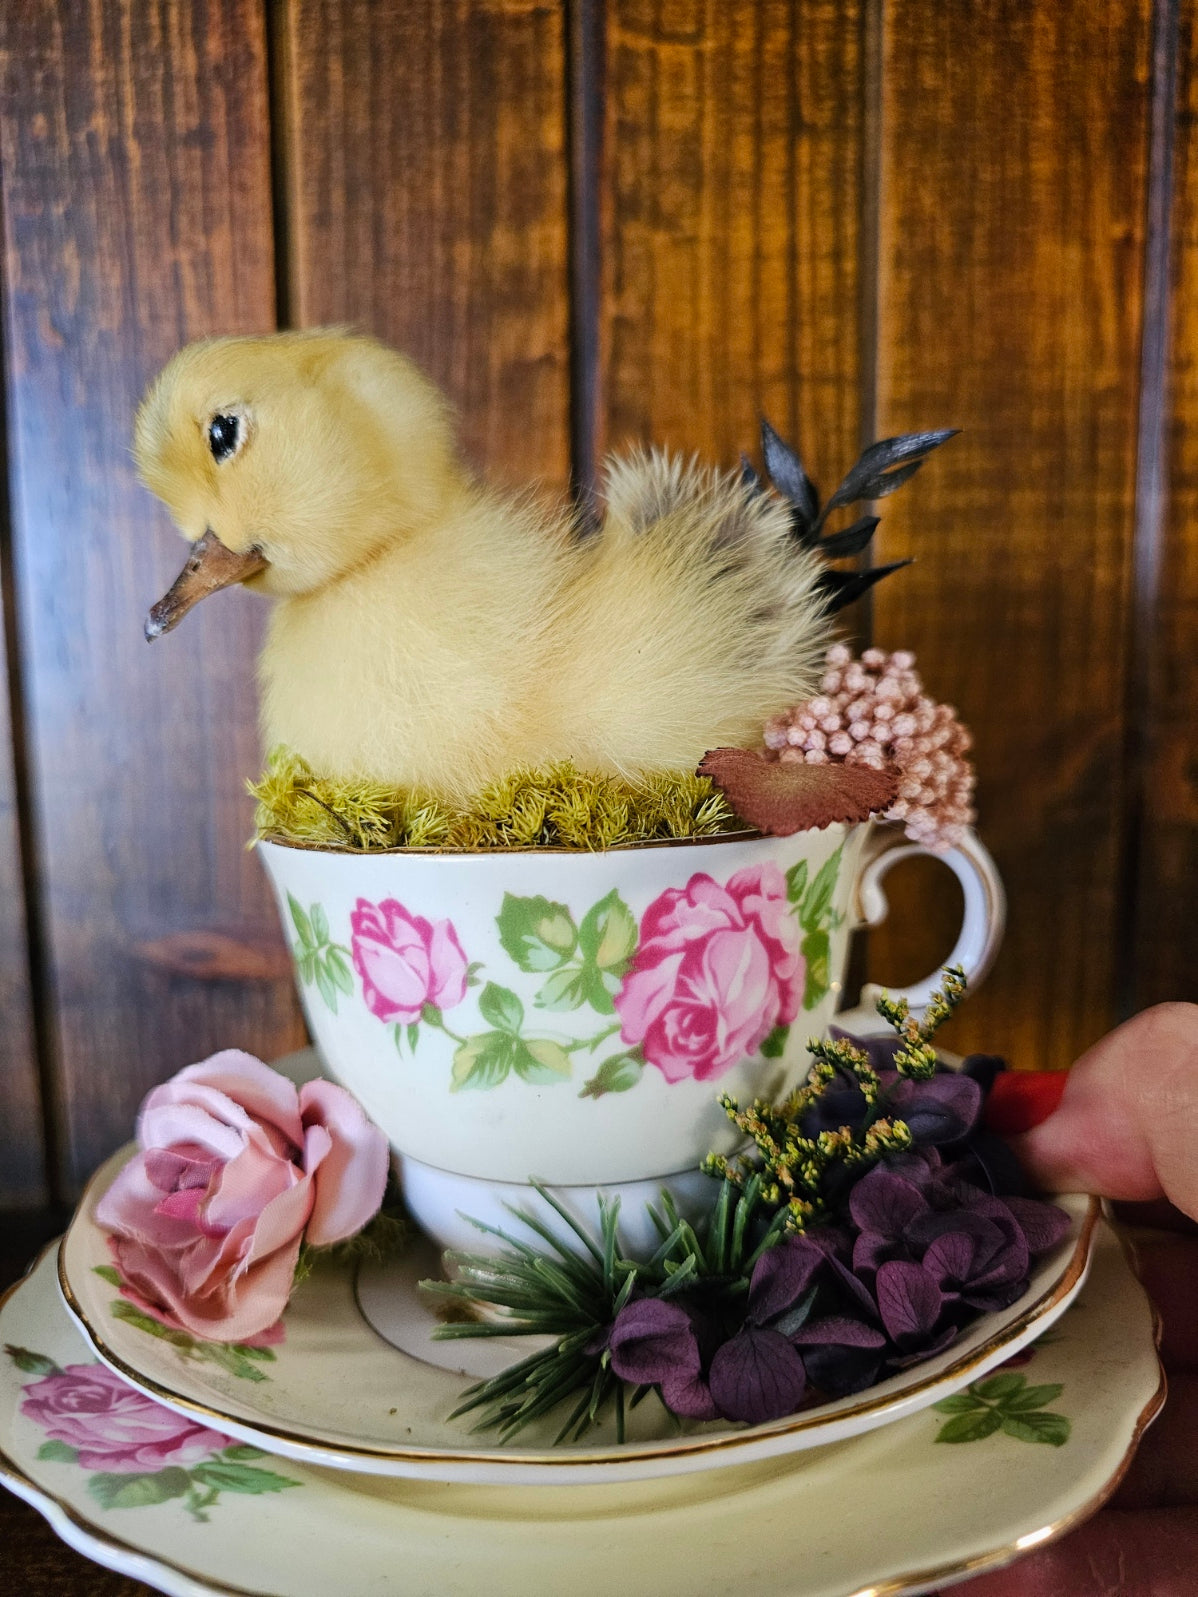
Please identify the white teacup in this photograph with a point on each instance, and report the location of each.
(572, 1017)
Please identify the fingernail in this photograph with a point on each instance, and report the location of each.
(1021, 1099)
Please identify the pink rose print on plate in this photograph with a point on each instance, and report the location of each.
(716, 969)
(405, 961)
(114, 1427)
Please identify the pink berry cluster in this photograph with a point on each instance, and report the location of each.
(874, 711)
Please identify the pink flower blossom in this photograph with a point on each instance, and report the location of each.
(716, 969)
(236, 1168)
(114, 1426)
(405, 961)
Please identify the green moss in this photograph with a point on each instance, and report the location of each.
(556, 807)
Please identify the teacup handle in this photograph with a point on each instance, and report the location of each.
(981, 928)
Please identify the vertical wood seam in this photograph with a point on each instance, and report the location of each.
(37, 954)
(583, 80)
(278, 69)
(868, 270)
(1148, 527)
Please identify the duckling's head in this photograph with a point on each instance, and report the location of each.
(291, 459)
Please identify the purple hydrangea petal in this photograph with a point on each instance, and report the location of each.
(839, 1371)
(881, 1047)
(871, 1251)
(1043, 1224)
(992, 1298)
(909, 1301)
(838, 1330)
(885, 1203)
(984, 1069)
(944, 1108)
(943, 1339)
(951, 1258)
(781, 1277)
(653, 1341)
(841, 1105)
(689, 1396)
(757, 1376)
(856, 1288)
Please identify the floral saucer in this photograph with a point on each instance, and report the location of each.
(1032, 1449)
(336, 1392)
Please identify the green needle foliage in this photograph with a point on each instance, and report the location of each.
(575, 1295)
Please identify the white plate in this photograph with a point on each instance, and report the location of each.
(887, 1513)
(336, 1393)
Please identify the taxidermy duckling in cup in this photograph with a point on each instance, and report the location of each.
(432, 635)
(430, 632)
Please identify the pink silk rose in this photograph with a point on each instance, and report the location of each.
(405, 961)
(716, 969)
(236, 1168)
(113, 1426)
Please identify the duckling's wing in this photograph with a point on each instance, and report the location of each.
(705, 611)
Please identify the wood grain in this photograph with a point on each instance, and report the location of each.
(1165, 951)
(732, 191)
(137, 216)
(1012, 184)
(426, 177)
(22, 1143)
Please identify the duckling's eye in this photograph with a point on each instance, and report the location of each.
(224, 436)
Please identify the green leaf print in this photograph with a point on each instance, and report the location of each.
(538, 934)
(303, 925)
(1050, 1428)
(775, 1044)
(607, 936)
(483, 1061)
(796, 882)
(58, 1453)
(817, 951)
(540, 1060)
(565, 989)
(226, 1475)
(501, 1007)
(31, 1363)
(616, 1074)
(138, 1491)
(971, 1427)
(1004, 1402)
(818, 898)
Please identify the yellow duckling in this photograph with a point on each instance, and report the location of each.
(429, 631)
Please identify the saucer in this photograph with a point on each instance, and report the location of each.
(335, 1392)
(1038, 1448)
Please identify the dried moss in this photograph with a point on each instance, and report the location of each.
(556, 807)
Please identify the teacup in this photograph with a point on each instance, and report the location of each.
(572, 1018)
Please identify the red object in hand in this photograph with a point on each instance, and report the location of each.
(1021, 1099)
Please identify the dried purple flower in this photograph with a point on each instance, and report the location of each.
(652, 1340)
(757, 1376)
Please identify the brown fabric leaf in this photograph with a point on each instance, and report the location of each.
(782, 797)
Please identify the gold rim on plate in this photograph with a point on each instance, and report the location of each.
(41, 1500)
(731, 1442)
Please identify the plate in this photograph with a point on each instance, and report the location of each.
(336, 1393)
(893, 1512)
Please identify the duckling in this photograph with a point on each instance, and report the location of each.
(429, 631)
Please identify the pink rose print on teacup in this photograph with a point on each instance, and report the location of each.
(236, 1168)
(405, 961)
(715, 971)
(112, 1426)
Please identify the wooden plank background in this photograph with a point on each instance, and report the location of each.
(605, 222)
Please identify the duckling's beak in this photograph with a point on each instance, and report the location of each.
(209, 566)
